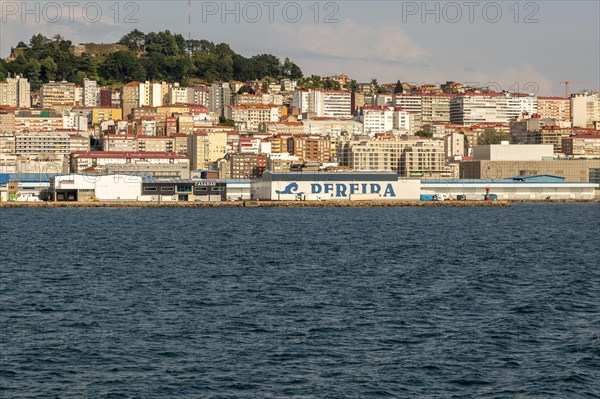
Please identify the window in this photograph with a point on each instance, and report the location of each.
(167, 189)
(218, 189)
(150, 189)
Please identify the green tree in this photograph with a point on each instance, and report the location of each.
(493, 136)
(398, 89)
(424, 133)
(134, 40)
(353, 86)
(122, 66)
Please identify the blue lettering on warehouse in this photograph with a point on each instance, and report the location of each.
(291, 188)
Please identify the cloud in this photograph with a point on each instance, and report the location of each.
(350, 41)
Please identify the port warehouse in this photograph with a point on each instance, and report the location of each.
(539, 187)
(134, 188)
(291, 186)
(320, 186)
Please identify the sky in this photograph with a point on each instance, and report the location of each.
(524, 46)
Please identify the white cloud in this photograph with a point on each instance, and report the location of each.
(349, 40)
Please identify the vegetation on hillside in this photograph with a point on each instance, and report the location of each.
(153, 56)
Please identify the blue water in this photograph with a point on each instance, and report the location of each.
(301, 303)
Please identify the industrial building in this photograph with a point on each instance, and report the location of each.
(120, 187)
(183, 190)
(81, 188)
(540, 187)
(321, 186)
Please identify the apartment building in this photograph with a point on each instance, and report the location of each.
(247, 99)
(7, 143)
(105, 114)
(130, 98)
(279, 128)
(15, 92)
(91, 93)
(57, 94)
(219, 97)
(249, 117)
(475, 108)
(180, 95)
(243, 166)
(377, 119)
(37, 120)
(155, 144)
(7, 120)
(161, 165)
(582, 146)
(310, 148)
(332, 127)
(425, 159)
(205, 148)
(585, 110)
(372, 155)
(435, 108)
(57, 142)
(323, 103)
(118, 143)
(454, 146)
(408, 102)
(557, 108)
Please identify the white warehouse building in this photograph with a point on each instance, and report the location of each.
(76, 187)
(337, 186)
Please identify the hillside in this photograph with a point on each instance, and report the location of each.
(138, 56)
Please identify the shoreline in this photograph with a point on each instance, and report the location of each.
(282, 204)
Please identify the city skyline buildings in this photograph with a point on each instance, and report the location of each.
(383, 40)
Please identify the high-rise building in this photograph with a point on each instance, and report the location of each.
(206, 148)
(15, 92)
(585, 110)
(90, 93)
(57, 94)
(557, 108)
(220, 96)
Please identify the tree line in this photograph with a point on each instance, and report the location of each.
(154, 56)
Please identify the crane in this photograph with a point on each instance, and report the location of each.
(569, 82)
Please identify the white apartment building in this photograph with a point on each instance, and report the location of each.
(517, 104)
(49, 143)
(475, 108)
(585, 110)
(76, 121)
(454, 146)
(288, 85)
(377, 119)
(180, 95)
(408, 102)
(15, 92)
(151, 94)
(323, 103)
(91, 93)
(332, 127)
(407, 122)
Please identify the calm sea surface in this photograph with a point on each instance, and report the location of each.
(301, 303)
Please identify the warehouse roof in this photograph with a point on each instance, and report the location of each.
(330, 176)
